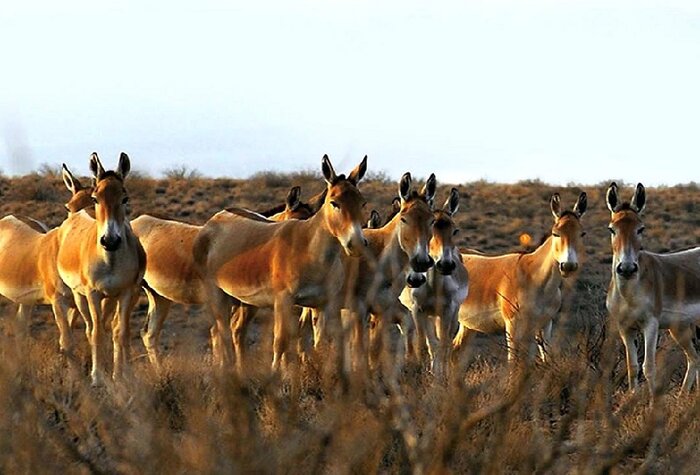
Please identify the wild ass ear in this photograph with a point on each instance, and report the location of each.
(611, 197)
(316, 201)
(452, 204)
(639, 200)
(375, 221)
(124, 166)
(405, 187)
(327, 169)
(581, 204)
(293, 198)
(555, 205)
(71, 182)
(428, 190)
(359, 172)
(395, 205)
(96, 167)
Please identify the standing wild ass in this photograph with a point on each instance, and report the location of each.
(28, 270)
(650, 291)
(102, 260)
(521, 293)
(435, 304)
(282, 264)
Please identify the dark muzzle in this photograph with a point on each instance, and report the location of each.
(110, 244)
(421, 264)
(415, 280)
(627, 270)
(445, 267)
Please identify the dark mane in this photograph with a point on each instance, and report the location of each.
(279, 208)
(246, 213)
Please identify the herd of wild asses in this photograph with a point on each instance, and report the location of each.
(321, 265)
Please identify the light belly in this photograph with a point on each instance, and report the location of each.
(688, 313)
(29, 295)
(482, 319)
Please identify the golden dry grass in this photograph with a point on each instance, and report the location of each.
(570, 416)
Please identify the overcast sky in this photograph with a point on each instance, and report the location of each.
(561, 91)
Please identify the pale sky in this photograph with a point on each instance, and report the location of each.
(502, 90)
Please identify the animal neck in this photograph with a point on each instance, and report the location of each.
(320, 236)
(542, 265)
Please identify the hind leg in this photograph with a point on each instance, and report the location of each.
(158, 309)
(24, 317)
(684, 338)
(239, 327)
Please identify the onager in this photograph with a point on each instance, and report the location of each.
(171, 275)
(521, 293)
(28, 269)
(650, 291)
(102, 260)
(282, 264)
(435, 304)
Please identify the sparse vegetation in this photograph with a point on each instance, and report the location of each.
(571, 415)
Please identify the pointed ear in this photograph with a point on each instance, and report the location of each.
(428, 190)
(395, 205)
(293, 198)
(581, 204)
(71, 182)
(124, 165)
(327, 170)
(96, 166)
(555, 205)
(405, 187)
(316, 201)
(639, 200)
(611, 197)
(452, 204)
(359, 171)
(375, 220)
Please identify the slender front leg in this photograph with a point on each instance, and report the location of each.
(65, 340)
(627, 336)
(219, 313)
(121, 332)
(448, 322)
(94, 300)
(544, 337)
(158, 309)
(651, 334)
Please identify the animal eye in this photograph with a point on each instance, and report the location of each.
(640, 230)
(403, 220)
(335, 205)
(125, 200)
(556, 234)
(94, 200)
(612, 231)
(432, 223)
(364, 204)
(583, 233)
(454, 233)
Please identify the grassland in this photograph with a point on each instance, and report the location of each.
(572, 415)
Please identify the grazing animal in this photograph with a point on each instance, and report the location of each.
(28, 270)
(435, 304)
(650, 291)
(521, 293)
(171, 275)
(282, 264)
(102, 261)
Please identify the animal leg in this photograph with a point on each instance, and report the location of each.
(239, 328)
(24, 317)
(219, 306)
(631, 356)
(684, 338)
(158, 308)
(121, 331)
(94, 300)
(651, 334)
(65, 340)
(544, 337)
(459, 342)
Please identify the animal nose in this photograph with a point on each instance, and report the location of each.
(627, 269)
(415, 280)
(566, 267)
(110, 244)
(445, 267)
(421, 264)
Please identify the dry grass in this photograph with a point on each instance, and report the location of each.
(573, 415)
